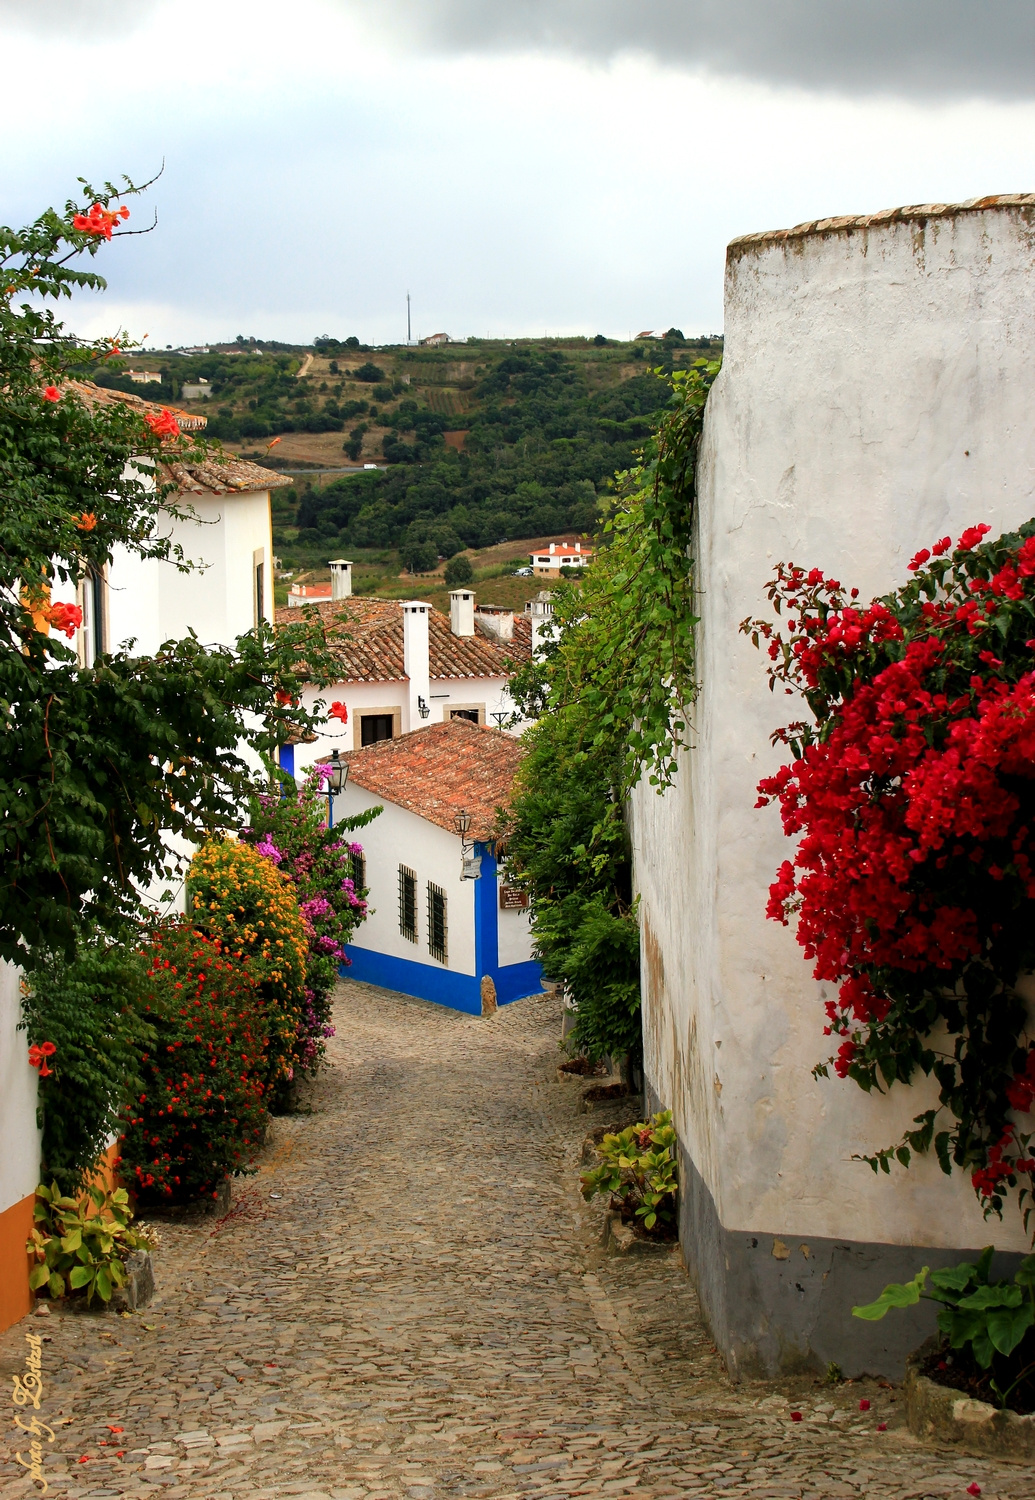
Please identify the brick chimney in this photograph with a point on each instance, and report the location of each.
(416, 662)
(341, 578)
(461, 612)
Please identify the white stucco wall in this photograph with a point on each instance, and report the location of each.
(19, 1137)
(876, 393)
(153, 602)
(395, 838)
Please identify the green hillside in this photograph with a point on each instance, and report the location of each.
(476, 443)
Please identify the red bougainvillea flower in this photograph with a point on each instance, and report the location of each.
(164, 425)
(796, 1416)
(883, 1427)
(99, 220)
(974, 1489)
(864, 1405)
(86, 522)
(339, 711)
(51, 393)
(65, 617)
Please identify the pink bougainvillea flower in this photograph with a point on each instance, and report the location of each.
(51, 393)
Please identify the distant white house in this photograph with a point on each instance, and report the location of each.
(436, 338)
(308, 593)
(199, 390)
(145, 377)
(549, 561)
(444, 924)
(405, 665)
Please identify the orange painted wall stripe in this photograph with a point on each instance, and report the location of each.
(15, 1226)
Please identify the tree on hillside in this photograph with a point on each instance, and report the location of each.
(459, 572)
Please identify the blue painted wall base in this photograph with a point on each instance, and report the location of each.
(442, 986)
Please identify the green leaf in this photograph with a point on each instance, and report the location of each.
(895, 1295)
(1003, 1294)
(103, 1284)
(1025, 1274)
(56, 1284)
(79, 1276)
(72, 1241)
(1007, 1326)
(954, 1278)
(38, 1276)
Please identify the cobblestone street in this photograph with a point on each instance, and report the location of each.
(410, 1299)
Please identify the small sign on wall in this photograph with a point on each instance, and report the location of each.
(513, 898)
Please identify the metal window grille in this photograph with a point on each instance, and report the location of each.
(437, 922)
(408, 903)
(359, 871)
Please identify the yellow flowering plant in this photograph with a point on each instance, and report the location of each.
(243, 901)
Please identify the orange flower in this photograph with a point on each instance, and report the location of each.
(339, 711)
(66, 617)
(272, 443)
(86, 522)
(52, 393)
(164, 425)
(99, 221)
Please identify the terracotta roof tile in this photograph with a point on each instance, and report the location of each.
(370, 647)
(442, 770)
(217, 472)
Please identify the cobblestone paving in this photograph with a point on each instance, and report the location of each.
(410, 1300)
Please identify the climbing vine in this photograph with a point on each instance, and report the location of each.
(913, 795)
(611, 694)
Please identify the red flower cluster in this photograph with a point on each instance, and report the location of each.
(38, 1054)
(339, 711)
(51, 393)
(913, 800)
(163, 425)
(201, 1115)
(65, 617)
(99, 220)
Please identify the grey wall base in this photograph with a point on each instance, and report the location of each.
(777, 1305)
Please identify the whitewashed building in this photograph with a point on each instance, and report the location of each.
(443, 924)
(876, 393)
(405, 665)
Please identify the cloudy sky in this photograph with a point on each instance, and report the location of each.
(520, 166)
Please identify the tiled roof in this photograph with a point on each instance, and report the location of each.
(442, 770)
(217, 472)
(370, 643)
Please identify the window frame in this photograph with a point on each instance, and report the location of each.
(438, 950)
(408, 903)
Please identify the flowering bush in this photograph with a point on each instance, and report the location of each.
(201, 1112)
(914, 796)
(288, 828)
(242, 901)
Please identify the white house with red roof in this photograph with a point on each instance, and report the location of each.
(444, 923)
(406, 666)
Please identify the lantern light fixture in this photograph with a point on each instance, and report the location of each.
(423, 708)
(337, 773)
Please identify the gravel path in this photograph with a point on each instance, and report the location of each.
(409, 1299)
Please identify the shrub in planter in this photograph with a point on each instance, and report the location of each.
(241, 900)
(326, 870)
(78, 1244)
(201, 1112)
(988, 1328)
(639, 1172)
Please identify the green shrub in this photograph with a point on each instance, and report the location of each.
(79, 1250)
(88, 1009)
(639, 1171)
(240, 899)
(201, 1113)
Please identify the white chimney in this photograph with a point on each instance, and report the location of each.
(541, 610)
(461, 612)
(341, 578)
(416, 663)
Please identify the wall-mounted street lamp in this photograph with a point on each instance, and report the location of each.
(423, 708)
(337, 780)
(470, 865)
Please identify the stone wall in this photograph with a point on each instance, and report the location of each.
(877, 393)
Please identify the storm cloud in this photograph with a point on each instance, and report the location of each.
(909, 48)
